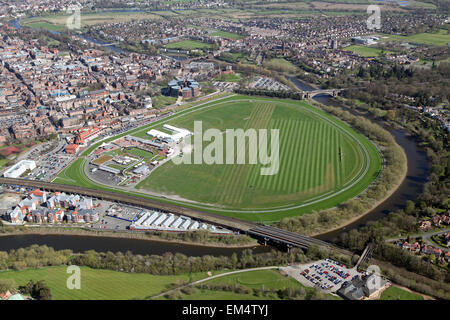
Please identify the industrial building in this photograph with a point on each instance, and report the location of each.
(17, 170)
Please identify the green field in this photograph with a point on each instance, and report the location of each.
(365, 51)
(280, 64)
(441, 38)
(228, 35)
(140, 153)
(59, 22)
(312, 174)
(395, 293)
(97, 284)
(188, 45)
(161, 101)
(229, 78)
(267, 279)
(310, 163)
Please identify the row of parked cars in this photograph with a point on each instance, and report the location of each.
(326, 275)
(315, 279)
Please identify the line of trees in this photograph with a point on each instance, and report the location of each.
(285, 94)
(268, 293)
(167, 264)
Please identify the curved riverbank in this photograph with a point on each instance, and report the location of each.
(99, 243)
(377, 203)
(61, 231)
(413, 182)
(351, 221)
(387, 182)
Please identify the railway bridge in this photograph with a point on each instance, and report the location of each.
(265, 234)
(313, 93)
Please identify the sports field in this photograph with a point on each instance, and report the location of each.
(323, 162)
(228, 35)
(365, 51)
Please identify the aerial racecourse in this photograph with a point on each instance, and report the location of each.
(293, 159)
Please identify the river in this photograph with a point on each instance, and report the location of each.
(16, 24)
(104, 244)
(411, 187)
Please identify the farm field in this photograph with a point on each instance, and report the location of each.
(313, 177)
(98, 284)
(58, 22)
(395, 293)
(365, 51)
(188, 45)
(441, 38)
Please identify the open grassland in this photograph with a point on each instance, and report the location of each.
(59, 22)
(323, 162)
(395, 293)
(441, 38)
(98, 284)
(365, 51)
(280, 64)
(161, 101)
(188, 45)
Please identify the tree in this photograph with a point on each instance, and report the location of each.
(38, 290)
(409, 207)
(390, 115)
(7, 285)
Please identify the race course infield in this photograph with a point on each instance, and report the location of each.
(323, 162)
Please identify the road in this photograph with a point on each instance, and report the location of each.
(211, 278)
(425, 236)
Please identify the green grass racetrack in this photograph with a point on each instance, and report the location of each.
(323, 162)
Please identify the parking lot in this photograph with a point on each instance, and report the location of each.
(328, 275)
(268, 84)
(107, 221)
(226, 86)
(50, 160)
